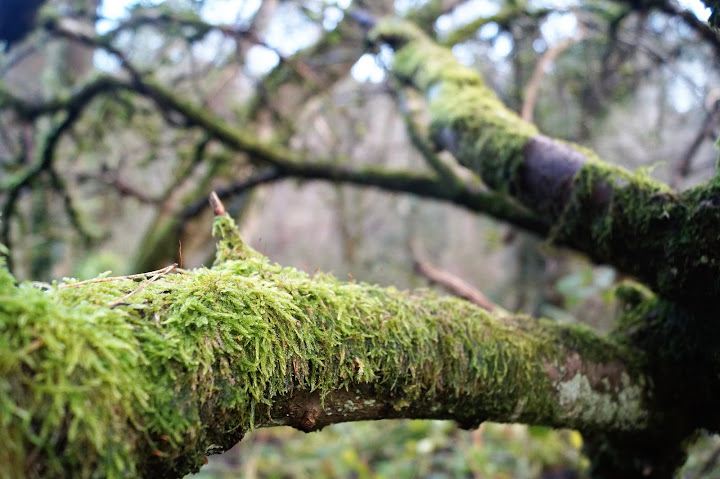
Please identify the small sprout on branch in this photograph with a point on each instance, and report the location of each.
(230, 245)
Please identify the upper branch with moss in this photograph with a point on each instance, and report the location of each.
(625, 219)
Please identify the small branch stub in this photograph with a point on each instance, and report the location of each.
(217, 205)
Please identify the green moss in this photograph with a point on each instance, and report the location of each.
(489, 138)
(71, 384)
(230, 245)
(624, 201)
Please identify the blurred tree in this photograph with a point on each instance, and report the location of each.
(115, 128)
(17, 19)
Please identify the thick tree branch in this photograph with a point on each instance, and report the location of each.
(184, 366)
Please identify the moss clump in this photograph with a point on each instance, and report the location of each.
(71, 385)
(608, 203)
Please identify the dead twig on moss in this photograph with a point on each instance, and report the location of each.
(159, 273)
(116, 278)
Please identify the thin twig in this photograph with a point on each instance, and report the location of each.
(217, 205)
(259, 178)
(418, 140)
(116, 278)
(161, 272)
(124, 188)
(449, 281)
(682, 166)
(83, 33)
(71, 208)
(533, 86)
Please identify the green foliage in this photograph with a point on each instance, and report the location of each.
(401, 449)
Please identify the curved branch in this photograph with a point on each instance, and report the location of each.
(292, 164)
(681, 167)
(504, 19)
(78, 100)
(421, 143)
(73, 212)
(401, 181)
(705, 32)
(20, 181)
(533, 85)
(453, 284)
(285, 162)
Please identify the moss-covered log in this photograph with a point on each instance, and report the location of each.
(98, 383)
(668, 240)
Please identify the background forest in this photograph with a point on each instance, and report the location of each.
(111, 137)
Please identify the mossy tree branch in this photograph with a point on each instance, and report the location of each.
(628, 220)
(189, 363)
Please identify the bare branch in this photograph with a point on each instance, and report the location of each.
(681, 168)
(533, 85)
(453, 284)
